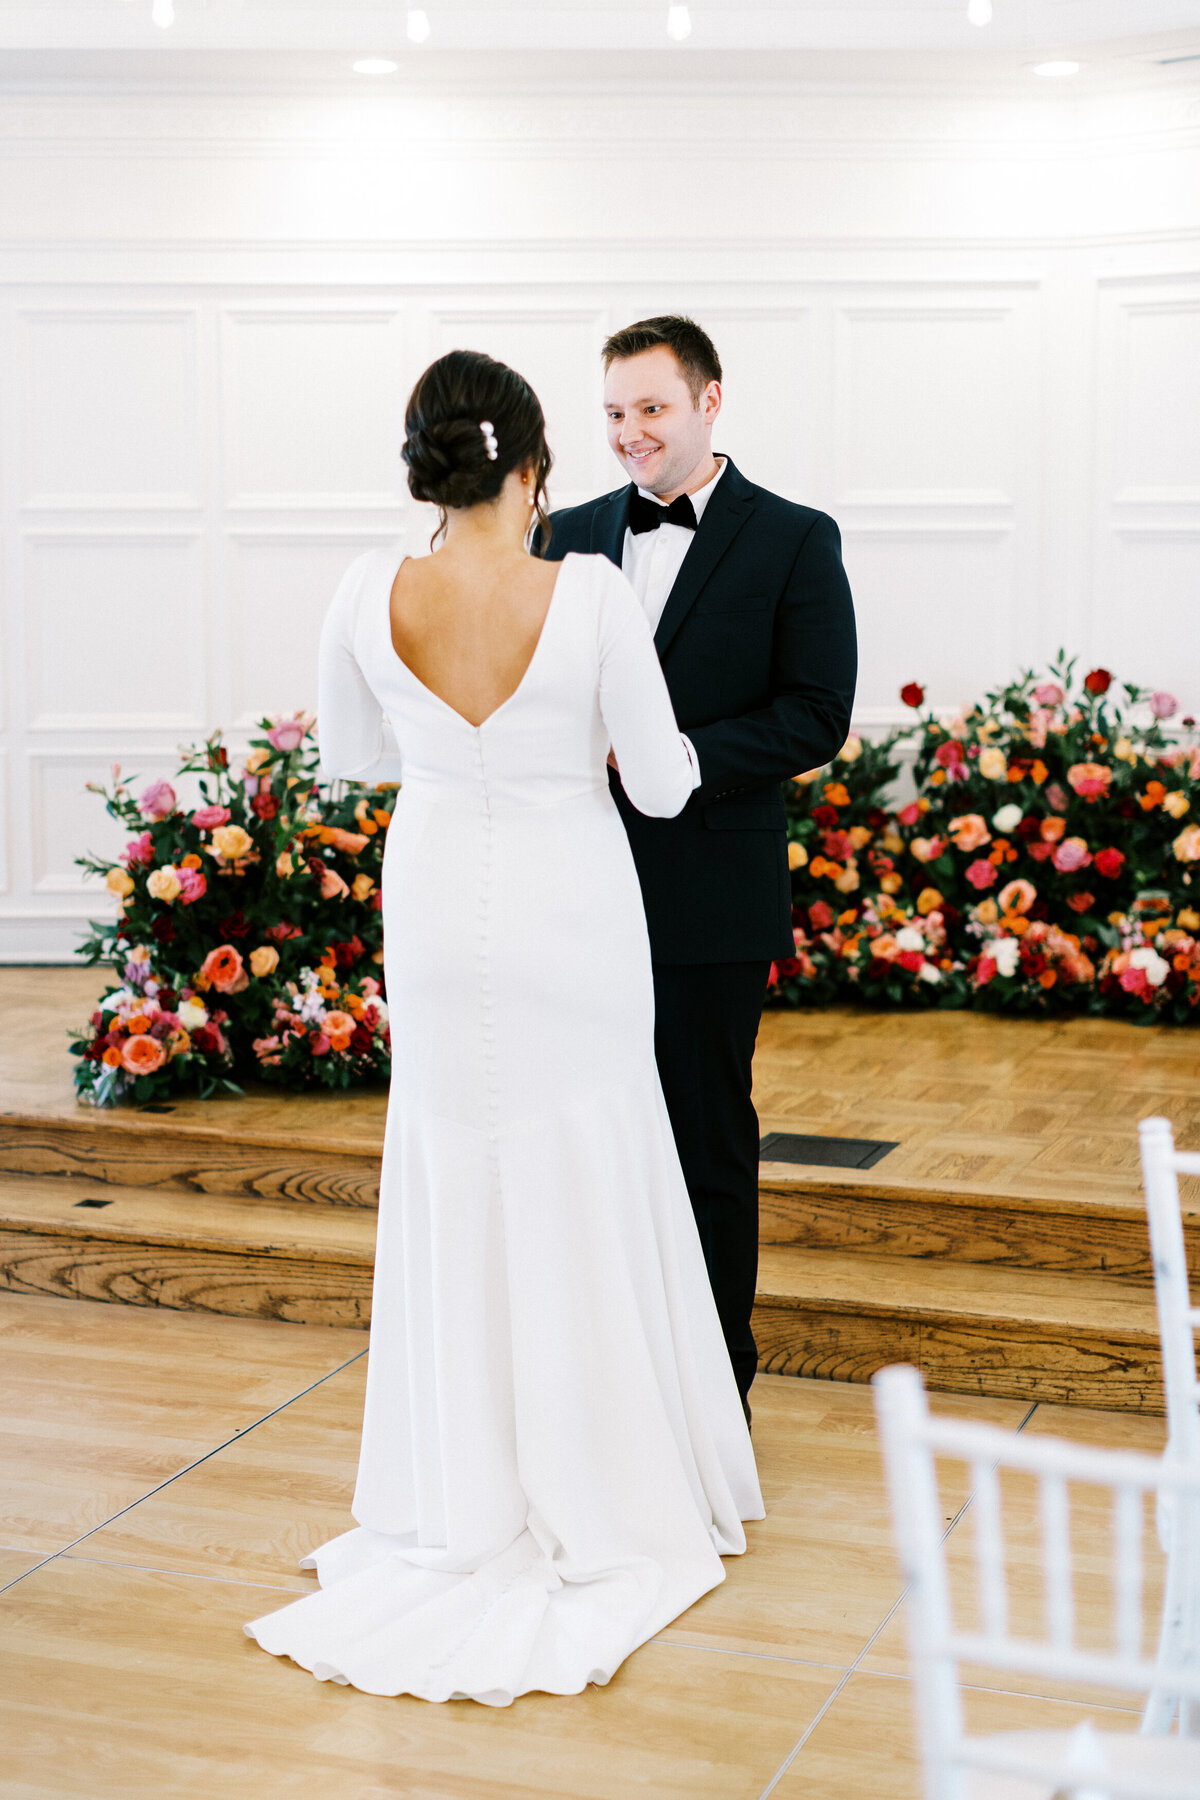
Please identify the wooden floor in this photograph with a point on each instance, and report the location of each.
(162, 1472)
(1001, 1246)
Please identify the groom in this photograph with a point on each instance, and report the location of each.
(754, 625)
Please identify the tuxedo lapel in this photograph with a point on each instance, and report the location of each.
(727, 511)
(608, 525)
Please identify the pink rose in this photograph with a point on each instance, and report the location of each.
(288, 734)
(207, 818)
(192, 885)
(319, 1044)
(1040, 850)
(981, 873)
(1048, 693)
(1057, 797)
(1134, 981)
(1089, 780)
(1071, 854)
(1162, 704)
(986, 970)
(137, 851)
(158, 800)
(332, 886)
(908, 815)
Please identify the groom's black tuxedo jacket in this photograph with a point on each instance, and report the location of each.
(758, 647)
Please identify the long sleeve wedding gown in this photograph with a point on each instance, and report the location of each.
(554, 1456)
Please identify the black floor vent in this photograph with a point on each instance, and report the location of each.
(824, 1152)
(91, 1203)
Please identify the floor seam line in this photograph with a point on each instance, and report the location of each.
(200, 1460)
(107, 1562)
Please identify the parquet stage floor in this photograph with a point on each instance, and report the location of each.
(1001, 1246)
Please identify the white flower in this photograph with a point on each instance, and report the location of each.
(312, 1006)
(1005, 953)
(930, 972)
(910, 939)
(1008, 818)
(192, 1014)
(1147, 958)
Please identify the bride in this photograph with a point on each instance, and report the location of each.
(554, 1455)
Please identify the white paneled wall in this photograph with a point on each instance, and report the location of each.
(201, 400)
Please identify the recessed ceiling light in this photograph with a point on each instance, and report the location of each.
(417, 24)
(979, 12)
(679, 23)
(1052, 70)
(375, 65)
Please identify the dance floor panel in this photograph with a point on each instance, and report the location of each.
(165, 1471)
(1001, 1245)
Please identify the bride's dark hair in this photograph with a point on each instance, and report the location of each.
(447, 452)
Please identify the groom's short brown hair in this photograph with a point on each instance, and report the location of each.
(691, 346)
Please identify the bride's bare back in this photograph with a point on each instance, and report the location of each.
(468, 627)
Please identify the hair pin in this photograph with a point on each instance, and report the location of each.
(489, 439)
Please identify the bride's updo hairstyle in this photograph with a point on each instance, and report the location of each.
(452, 460)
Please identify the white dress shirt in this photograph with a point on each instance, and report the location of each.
(651, 562)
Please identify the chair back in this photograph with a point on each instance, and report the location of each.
(1056, 1472)
(1178, 1319)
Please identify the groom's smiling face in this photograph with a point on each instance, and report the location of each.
(657, 431)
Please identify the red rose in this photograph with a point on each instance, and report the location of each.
(1029, 828)
(1098, 682)
(788, 968)
(284, 929)
(876, 819)
(1109, 862)
(1081, 903)
(204, 1039)
(162, 930)
(820, 916)
(266, 806)
(236, 925)
(910, 960)
(825, 816)
(361, 1039)
(167, 998)
(912, 695)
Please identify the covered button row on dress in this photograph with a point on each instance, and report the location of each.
(487, 1001)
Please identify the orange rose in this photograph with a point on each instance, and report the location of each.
(264, 960)
(224, 969)
(112, 1057)
(137, 1024)
(332, 886)
(836, 794)
(142, 1055)
(349, 841)
(969, 832)
(338, 1028)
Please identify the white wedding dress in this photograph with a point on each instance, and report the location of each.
(554, 1456)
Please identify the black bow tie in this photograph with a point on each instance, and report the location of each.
(648, 515)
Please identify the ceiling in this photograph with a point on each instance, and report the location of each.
(102, 41)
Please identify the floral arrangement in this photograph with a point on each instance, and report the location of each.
(226, 909)
(1055, 830)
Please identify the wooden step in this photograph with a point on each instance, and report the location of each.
(137, 1149)
(851, 1211)
(205, 1253)
(1023, 1334)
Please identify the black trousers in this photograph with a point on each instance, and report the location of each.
(706, 1022)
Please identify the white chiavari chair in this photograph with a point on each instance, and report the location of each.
(1178, 1320)
(1084, 1764)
